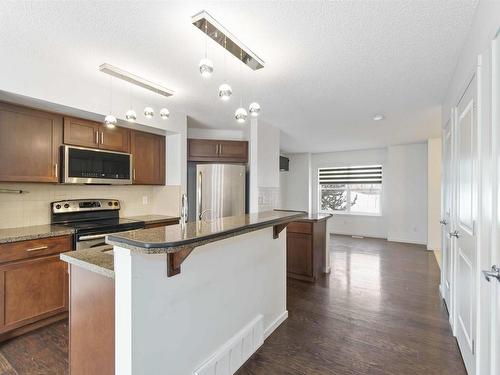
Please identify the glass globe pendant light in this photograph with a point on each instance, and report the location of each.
(131, 116)
(149, 112)
(164, 114)
(110, 121)
(206, 67)
(240, 115)
(225, 92)
(254, 109)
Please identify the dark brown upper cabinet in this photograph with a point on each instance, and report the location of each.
(148, 151)
(85, 133)
(29, 144)
(217, 150)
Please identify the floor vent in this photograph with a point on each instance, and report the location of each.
(230, 356)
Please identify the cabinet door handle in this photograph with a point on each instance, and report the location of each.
(38, 248)
(56, 170)
(217, 149)
(102, 138)
(133, 174)
(220, 150)
(96, 137)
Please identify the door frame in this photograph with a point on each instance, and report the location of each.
(494, 294)
(475, 73)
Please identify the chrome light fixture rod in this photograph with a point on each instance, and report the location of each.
(207, 24)
(135, 80)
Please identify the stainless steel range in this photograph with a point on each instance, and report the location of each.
(92, 220)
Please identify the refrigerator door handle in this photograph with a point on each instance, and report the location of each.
(200, 187)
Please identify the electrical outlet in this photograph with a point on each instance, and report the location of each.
(145, 199)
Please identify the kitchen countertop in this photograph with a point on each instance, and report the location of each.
(175, 238)
(95, 260)
(316, 217)
(33, 232)
(152, 219)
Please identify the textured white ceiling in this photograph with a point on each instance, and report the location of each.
(330, 66)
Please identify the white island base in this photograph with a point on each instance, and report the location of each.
(210, 318)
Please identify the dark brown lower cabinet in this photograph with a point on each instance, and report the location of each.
(306, 249)
(33, 293)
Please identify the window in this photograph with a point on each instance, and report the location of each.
(355, 190)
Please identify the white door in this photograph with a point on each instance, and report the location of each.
(446, 252)
(464, 231)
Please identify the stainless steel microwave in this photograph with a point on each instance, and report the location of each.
(91, 166)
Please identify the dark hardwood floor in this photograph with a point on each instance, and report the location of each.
(378, 312)
(41, 352)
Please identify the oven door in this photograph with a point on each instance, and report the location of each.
(90, 166)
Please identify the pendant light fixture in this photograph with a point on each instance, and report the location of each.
(225, 91)
(164, 114)
(110, 120)
(254, 109)
(241, 113)
(206, 66)
(130, 115)
(149, 112)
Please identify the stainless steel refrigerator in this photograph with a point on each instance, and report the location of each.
(216, 190)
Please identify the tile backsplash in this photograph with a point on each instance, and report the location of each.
(32, 208)
(269, 198)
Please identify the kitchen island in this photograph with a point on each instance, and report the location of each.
(182, 299)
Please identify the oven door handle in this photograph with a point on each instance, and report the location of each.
(93, 237)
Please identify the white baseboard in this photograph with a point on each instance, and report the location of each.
(405, 240)
(275, 324)
(359, 234)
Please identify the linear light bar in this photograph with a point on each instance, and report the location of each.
(207, 24)
(134, 79)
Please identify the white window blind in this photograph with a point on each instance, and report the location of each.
(371, 174)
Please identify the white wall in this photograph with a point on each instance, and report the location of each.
(264, 158)
(434, 193)
(296, 183)
(404, 191)
(407, 193)
(370, 226)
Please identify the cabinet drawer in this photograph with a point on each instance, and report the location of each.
(299, 227)
(34, 248)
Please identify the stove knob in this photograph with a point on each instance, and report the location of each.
(66, 205)
(58, 206)
(116, 203)
(110, 203)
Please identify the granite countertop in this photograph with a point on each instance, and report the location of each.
(174, 238)
(151, 219)
(315, 217)
(33, 232)
(95, 260)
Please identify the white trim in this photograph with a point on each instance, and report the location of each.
(272, 327)
(358, 234)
